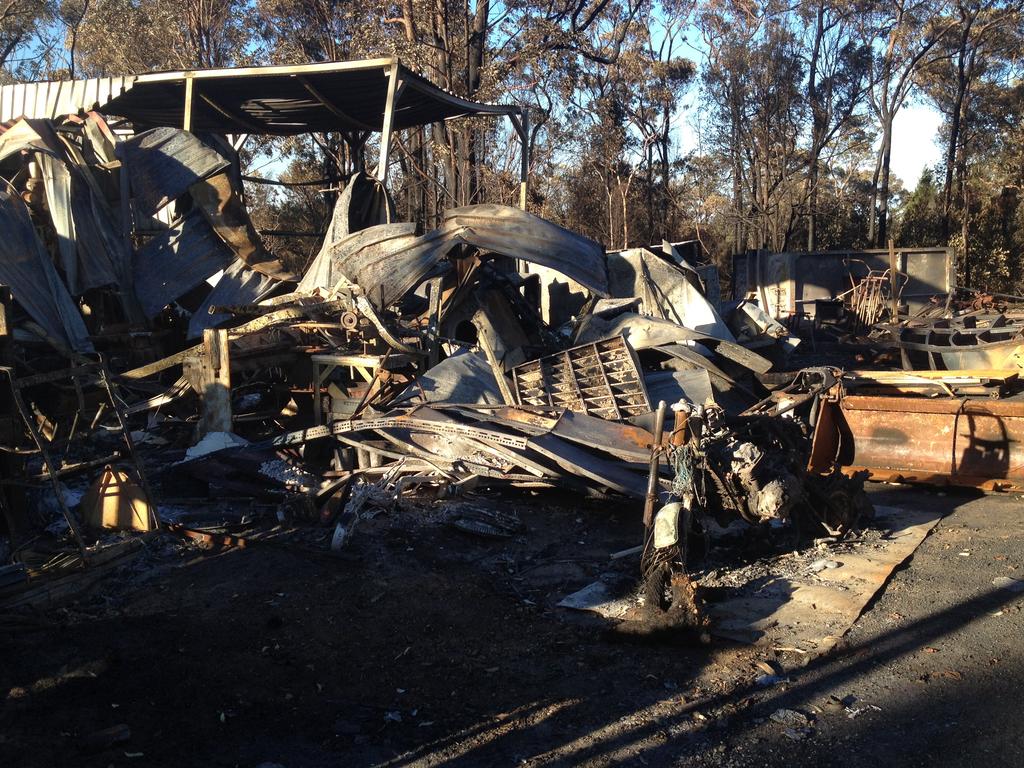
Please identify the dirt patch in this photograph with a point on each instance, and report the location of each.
(423, 644)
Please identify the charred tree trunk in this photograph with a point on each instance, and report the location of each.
(875, 189)
(477, 46)
(416, 185)
(964, 67)
(817, 128)
(666, 169)
(883, 191)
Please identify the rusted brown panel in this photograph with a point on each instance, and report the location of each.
(967, 441)
(826, 440)
(942, 480)
(899, 405)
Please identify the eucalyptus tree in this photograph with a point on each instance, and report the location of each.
(904, 36)
(836, 60)
(983, 46)
(24, 38)
(753, 92)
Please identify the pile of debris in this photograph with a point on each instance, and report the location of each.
(497, 349)
(968, 330)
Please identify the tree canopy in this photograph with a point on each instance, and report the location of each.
(791, 106)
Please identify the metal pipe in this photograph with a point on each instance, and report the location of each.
(652, 476)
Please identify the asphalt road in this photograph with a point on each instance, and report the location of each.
(940, 652)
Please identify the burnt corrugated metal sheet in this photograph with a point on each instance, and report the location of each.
(276, 100)
(164, 163)
(99, 229)
(92, 250)
(788, 283)
(665, 289)
(221, 203)
(29, 272)
(291, 100)
(104, 257)
(238, 285)
(387, 261)
(177, 260)
(57, 183)
(517, 234)
(363, 203)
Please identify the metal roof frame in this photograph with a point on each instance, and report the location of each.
(359, 97)
(356, 98)
(298, 98)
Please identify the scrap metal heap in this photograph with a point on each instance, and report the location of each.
(931, 391)
(967, 330)
(496, 349)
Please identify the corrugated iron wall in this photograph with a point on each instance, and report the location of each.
(59, 97)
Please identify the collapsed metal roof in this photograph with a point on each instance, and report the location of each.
(274, 100)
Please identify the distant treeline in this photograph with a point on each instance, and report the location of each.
(792, 104)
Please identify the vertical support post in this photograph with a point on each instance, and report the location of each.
(893, 282)
(186, 123)
(524, 159)
(435, 290)
(126, 205)
(950, 277)
(5, 328)
(485, 340)
(521, 123)
(356, 141)
(394, 90)
(320, 375)
(132, 309)
(215, 377)
(13, 502)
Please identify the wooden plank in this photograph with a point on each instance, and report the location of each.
(486, 339)
(214, 371)
(435, 294)
(253, 326)
(396, 360)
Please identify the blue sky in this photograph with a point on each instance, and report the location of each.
(914, 146)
